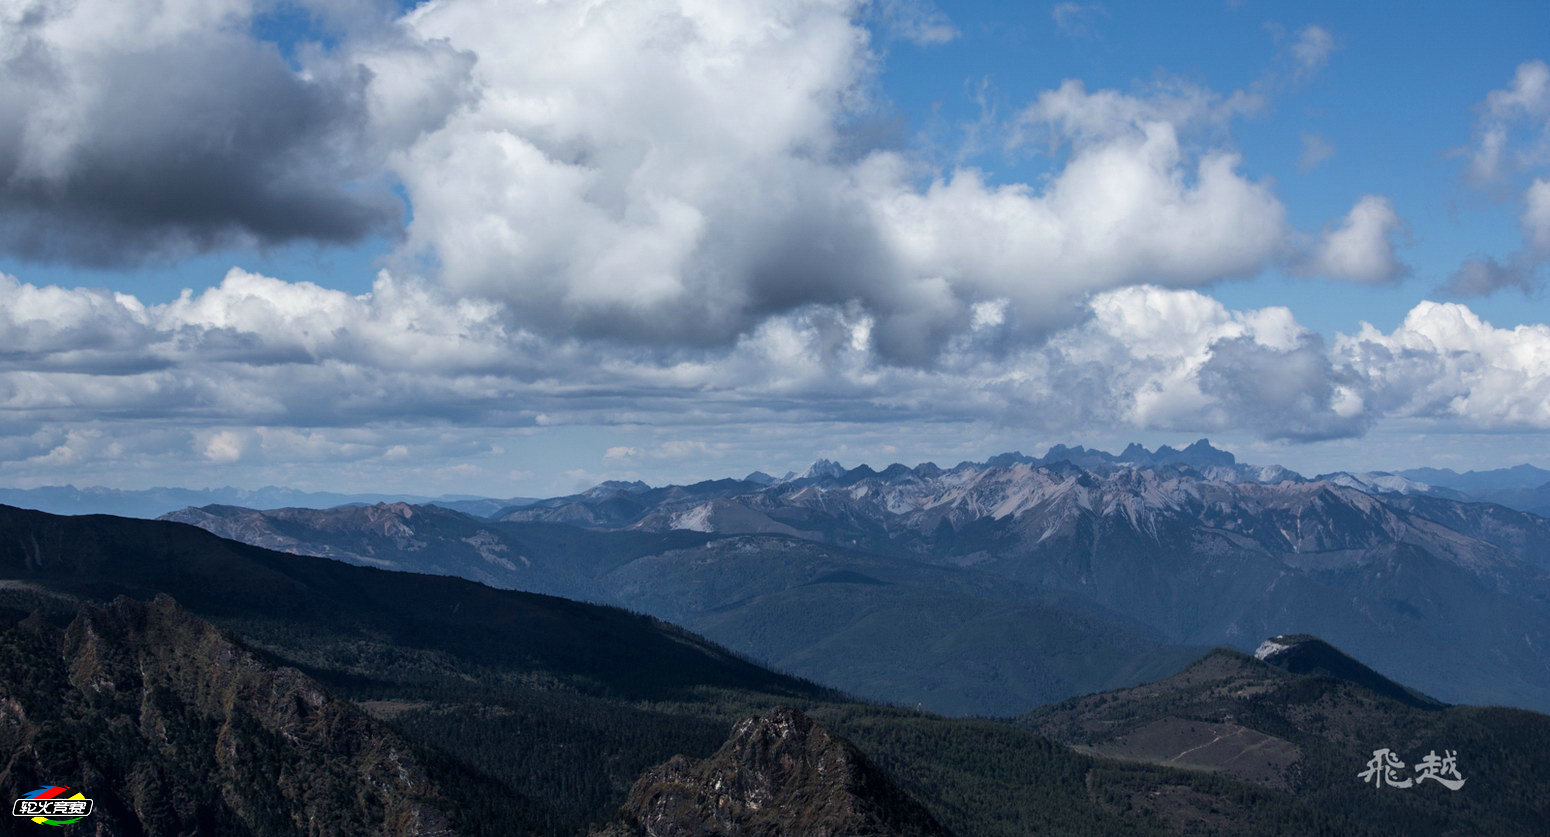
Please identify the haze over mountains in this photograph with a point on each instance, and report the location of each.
(284, 693)
(153, 502)
(987, 588)
(1524, 487)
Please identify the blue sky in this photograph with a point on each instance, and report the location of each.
(644, 239)
(1395, 102)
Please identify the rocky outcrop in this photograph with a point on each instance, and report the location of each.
(174, 729)
(779, 774)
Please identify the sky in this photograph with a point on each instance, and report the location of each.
(515, 248)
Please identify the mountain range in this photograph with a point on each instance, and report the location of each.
(988, 588)
(198, 685)
(976, 644)
(152, 502)
(1523, 487)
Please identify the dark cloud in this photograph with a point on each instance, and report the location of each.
(118, 155)
(1283, 394)
(1485, 276)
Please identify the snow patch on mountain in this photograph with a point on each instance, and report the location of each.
(1268, 649)
(823, 469)
(696, 519)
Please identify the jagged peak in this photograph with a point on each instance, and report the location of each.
(823, 469)
(778, 773)
(402, 509)
(612, 486)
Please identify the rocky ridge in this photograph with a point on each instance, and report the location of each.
(777, 774)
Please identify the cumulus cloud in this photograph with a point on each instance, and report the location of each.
(253, 347)
(188, 136)
(223, 446)
(650, 214)
(1180, 360)
(1512, 141)
(652, 174)
(1445, 363)
(675, 176)
(1513, 131)
(257, 370)
(1361, 248)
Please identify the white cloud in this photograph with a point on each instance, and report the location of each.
(1536, 218)
(674, 176)
(1361, 248)
(1078, 20)
(917, 21)
(1072, 114)
(1311, 50)
(1446, 364)
(1512, 141)
(1523, 107)
(648, 215)
(671, 449)
(1315, 150)
(224, 446)
(1180, 360)
(258, 373)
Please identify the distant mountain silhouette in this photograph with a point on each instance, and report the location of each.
(1028, 579)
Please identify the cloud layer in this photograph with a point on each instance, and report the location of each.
(257, 364)
(663, 213)
(652, 173)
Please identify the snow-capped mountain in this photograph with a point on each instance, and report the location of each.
(1037, 500)
(1035, 567)
(1190, 542)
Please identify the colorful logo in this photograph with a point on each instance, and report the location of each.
(50, 806)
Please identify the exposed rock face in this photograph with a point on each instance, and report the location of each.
(780, 774)
(173, 729)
